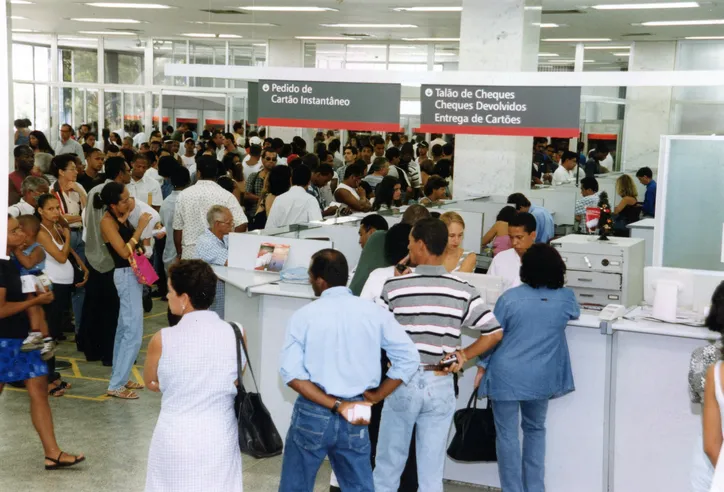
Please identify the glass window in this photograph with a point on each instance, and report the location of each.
(123, 62)
(446, 57)
(91, 109)
(42, 109)
(22, 62)
(78, 64)
(113, 110)
(41, 60)
(24, 97)
(376, 53)
(413, 53)
(168, 52)
(134, 109)
(207, 53)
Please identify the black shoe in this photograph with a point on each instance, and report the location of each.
(147, 303)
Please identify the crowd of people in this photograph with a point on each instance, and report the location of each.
(86, 219)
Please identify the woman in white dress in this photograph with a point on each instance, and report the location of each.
(195, 445)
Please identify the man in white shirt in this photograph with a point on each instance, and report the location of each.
(141, 186)
(189, 221)
(252, 162)
(218, 139)
(437, 140)
(67, 145)
(32, 188)
(565, 173)
(296, 206)
(506, 264)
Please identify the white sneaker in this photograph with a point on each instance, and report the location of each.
(48, 350)
(34, 341)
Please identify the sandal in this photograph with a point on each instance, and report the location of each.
(123, 394)
(65, 385)
(134, 386)
(57, 464)
(56, 392)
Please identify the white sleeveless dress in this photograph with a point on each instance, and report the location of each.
(195, 445)
(717, 483)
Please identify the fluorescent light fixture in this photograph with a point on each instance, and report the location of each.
(75, 38)
(607, 47)
(229, 36)
(21, 2)
(548, 55)
(109, 33)
(105, 21)
(570, 61)
(445, 54)
(428, 9)
(23, 30)
(576, 40)
(263, 45)
(110, 5)
(703, 22)
(326, 38)
(372, 26)
(622, 54)
(534, 7)
(545, 24)
(694, 38)
(18, 17)
(288, 9)
(246, 24)
(433, 40)
(199, 35)
(646, 6)
(371, 46)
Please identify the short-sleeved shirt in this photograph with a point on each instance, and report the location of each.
(141, 188)
(582, 204)
(532, 361)
(17, 325)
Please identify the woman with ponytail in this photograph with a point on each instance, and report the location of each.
(122, 240)
(703, 389)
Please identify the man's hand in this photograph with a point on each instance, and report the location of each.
(372, 396)
(404, 262)
(456, 366)
(43, 296)
(345, 410)
(479, 377)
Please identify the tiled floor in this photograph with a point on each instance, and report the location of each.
(113, 434)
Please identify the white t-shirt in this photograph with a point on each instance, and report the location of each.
(507, 265)
(296, 206)
(249, 170)
(563, 176)
(188, 161)
(152, 173)
(376, 282)
(608, 162)
(141, 188)
(21, 208)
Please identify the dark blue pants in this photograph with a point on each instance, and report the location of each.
(315, 432)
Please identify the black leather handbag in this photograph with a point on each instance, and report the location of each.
(258, 437)
(474, 439)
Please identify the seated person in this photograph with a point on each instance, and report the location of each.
(545, 227)
(498, 234)
(628, 210)
(435, 191)
(349, 193)
(566, 172)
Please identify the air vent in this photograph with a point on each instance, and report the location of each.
(562, 12)
(224, 11)
(636, 34)
(353, 35)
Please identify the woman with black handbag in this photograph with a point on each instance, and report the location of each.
(64, 268)
(195, 444)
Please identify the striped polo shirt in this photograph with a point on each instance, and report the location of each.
(433, 305)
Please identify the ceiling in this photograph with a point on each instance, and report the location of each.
(52, 16)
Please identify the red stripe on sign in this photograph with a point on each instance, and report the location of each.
(502, 130)
(337, 125)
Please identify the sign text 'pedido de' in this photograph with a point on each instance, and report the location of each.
(498, 110)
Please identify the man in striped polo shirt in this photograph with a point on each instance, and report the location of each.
(433, 306)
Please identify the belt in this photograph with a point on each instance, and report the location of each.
(431, 367)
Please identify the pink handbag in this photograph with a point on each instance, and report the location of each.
(145, 274)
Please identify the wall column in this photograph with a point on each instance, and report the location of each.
(286, 53)
(497, 36)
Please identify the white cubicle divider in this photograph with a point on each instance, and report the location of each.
(244, 248)
(559, 200)
(344, 238)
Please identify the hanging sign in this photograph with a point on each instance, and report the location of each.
(497, 110)
(337, 105)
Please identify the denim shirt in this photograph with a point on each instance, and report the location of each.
(532, 361)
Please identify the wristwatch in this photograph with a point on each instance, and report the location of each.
(336, 406)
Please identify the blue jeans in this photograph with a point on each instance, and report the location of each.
(315, 432)
(129, 332)
(77, 244)
(428, 401)
(526, 474)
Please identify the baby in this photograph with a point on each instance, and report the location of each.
(31, 260)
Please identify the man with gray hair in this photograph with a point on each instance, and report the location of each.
(66, 145)
(213, 247)
(31, 189)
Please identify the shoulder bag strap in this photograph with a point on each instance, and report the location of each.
(238, 336)
(246, 353)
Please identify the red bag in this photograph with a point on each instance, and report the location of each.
(145, 274)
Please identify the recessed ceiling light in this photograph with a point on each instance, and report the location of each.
(105, 21)
(548, 55)
(229, 36)
(372, 26)
(703, 37)
(622, 54)
(607, 47)
(428, 9)
(199, 35)
(289, 9)
(109, 33)
(576, 40)
(326, 38)
(109, 5)
(704, 22)
(21, 2)
(433, 40)
(545, 24)
(246, 24)
(644, 6)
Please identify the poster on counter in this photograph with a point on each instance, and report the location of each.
(338, 105)
(501, 110)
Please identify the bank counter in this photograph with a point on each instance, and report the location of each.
(628, 427)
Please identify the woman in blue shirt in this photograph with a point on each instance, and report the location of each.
(530, 366)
